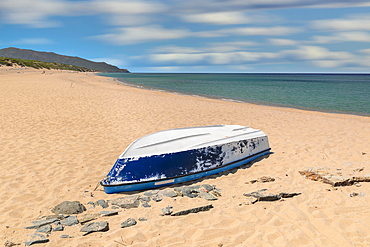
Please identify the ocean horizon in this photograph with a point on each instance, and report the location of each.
(335, 93)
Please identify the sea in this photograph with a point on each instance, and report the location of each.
(336, 93)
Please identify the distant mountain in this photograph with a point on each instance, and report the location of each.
(53, 57)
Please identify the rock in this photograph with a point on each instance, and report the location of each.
(36, 238)
(66, 236)
(129, 222)
(143, 219)
(68, 207)
(193, 210)
(154, 194)
(168, 193)
(87, 217)
(39, 223)
(208, 187)
(145, 198)
(102, 203)
(167, 210)
(92, 204)
(10, 244)
(189, 191)
(108, 213)
(126, 202)
(95, 227)
(207, 196)
(58, 228)
(145, 205)
(70, 221)
(264, 179)
(260, 195)
(46, 229)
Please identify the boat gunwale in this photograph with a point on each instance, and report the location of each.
(163, 179)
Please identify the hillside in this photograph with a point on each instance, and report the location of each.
(51, 57)
(6, 61)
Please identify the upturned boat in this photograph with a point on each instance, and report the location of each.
(180, 155)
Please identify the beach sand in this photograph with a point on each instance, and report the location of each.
(61, 132)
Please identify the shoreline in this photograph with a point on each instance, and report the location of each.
(127, 83)
(62, 131)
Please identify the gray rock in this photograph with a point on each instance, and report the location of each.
(208, 187)
(66, 236)
(126, 202)
(145, 205)
(260, 195)
(109, 213)
(143, 219)
(168, 193)
(103, 203)
(189, 191)
(145, 198)
(46, 229)
(92, 204)
(39, 223)
(58, 228)
(68, 207)
(167, 210)
(87, 217)
(115, 207)
(193, 210)
(154, 194)
(129, 222)
(70, 221)
(95, 227)
(36, 238)
(207, 196)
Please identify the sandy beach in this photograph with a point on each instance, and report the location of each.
(61, 132)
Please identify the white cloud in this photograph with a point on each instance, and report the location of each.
(318, 53)
(342, 37)
(282, 42)
(352, 23)
(141, 34)
(33, 12)
(218, 18)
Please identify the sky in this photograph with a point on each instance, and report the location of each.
(197, 36)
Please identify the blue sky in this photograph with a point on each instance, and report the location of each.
(196, 36)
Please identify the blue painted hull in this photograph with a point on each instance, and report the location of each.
(174, 168)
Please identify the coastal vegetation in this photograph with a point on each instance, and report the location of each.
(41, 65)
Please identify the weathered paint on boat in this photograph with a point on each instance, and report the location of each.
(180, 155)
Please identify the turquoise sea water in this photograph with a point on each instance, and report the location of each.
(342, 93)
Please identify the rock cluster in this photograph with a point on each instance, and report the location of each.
(333, 179)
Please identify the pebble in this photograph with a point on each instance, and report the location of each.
(58, 228)
(46, 229)
(70, 221)
(167, 210)
(129, 222)
(87, 217)
(66, 236)
(102, 203)
(36, 238)
(109, 213)
(68, 207)
(143, 219)
(95, 227)
(193, 210)
(38, 223)
(127, 202)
